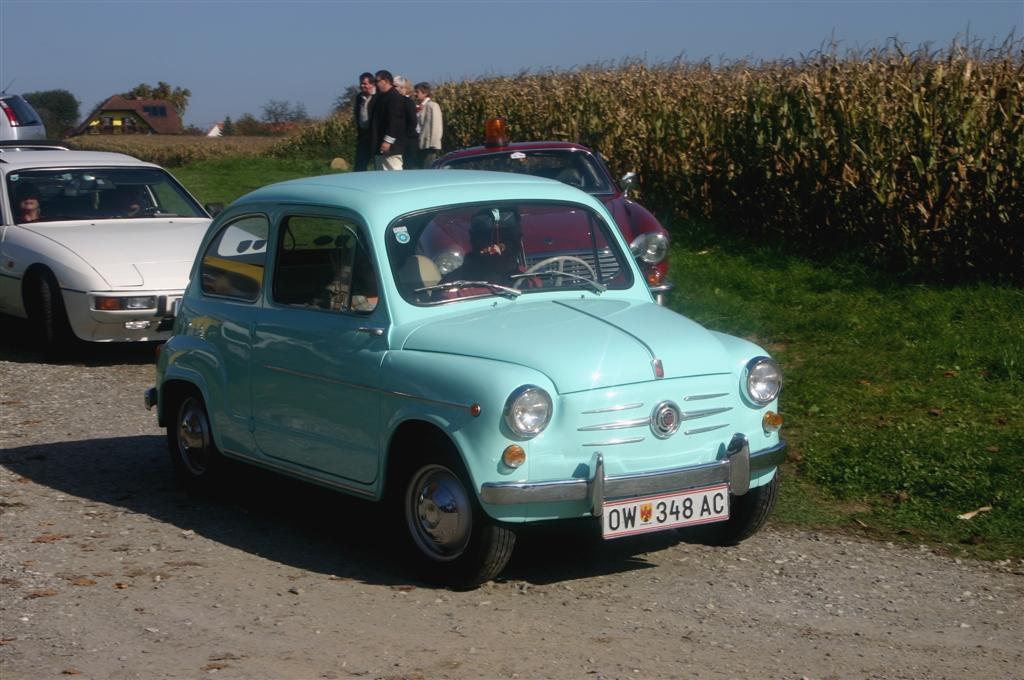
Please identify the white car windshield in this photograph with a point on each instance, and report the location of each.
(504, 249)
(97, 194)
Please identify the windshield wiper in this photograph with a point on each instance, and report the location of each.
(452, 285)
(551, 273)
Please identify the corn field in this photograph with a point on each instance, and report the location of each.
(911, 159)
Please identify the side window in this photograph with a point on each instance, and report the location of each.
(322, 264)
(233, 263)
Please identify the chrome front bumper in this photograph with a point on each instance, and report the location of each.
(736, 469)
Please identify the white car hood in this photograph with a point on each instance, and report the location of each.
(155, 254)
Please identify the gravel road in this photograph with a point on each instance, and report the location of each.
(110, 571)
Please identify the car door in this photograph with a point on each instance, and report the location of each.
(318, 345)
(223, 313)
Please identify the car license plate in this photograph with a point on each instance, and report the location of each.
(665, 511)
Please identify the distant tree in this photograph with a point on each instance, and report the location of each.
(343, 102)
(177, 96)
(57, 108)
(248, 126)
(283, 111)
(227, 128)
(194, 130)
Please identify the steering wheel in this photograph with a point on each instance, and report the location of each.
(560, 260)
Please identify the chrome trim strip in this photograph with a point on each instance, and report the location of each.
(302, 475)
(619, 425)
(616, 442)
(710, 428)
(697, 397)
(630, 486)
(335, 381)
(639, 340)
(694, 415)
(624, 407)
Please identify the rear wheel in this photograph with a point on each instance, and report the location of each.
(47, 313)
(195, 457)
(452, 538)
(747, 514)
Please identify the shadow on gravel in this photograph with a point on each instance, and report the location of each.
(298, 524)
(18, 345)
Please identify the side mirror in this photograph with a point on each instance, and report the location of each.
(214, 208)
(628, 181)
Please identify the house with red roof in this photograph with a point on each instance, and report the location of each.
(120, 116)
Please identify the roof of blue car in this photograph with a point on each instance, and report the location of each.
(400, 192)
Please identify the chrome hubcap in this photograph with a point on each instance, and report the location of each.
(193, 437)
(438, 512)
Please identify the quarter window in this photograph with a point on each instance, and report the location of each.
(234, 261)
(322, 264)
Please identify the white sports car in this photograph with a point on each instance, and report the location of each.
(93, 245)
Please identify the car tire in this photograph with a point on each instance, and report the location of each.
(197, 462)
(47, 313)
(454, 542)
(747, 514)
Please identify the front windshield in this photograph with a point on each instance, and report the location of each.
(503, 249)
(97, 194)
(571, 166)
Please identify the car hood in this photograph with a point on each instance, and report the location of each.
(580, 344)
(152, 253)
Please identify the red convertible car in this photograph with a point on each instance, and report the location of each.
(579, 166)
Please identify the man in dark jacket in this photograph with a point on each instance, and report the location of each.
(388, 124)
(363, 111)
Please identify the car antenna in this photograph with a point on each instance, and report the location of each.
(4, 91)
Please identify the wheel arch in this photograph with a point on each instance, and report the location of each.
(410, 434)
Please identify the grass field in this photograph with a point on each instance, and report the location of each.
(904, 404)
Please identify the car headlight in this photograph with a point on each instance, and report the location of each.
(449, 261)
(650, 248)
(528, 411)
(116, 304)
(764, 379)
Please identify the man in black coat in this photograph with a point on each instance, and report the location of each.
(388, 124)
(362, 109)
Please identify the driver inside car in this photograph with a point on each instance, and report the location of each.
(496, 248)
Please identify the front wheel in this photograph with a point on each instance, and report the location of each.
(195, 457)
(47, 313)
(747, 514)
(456, 543)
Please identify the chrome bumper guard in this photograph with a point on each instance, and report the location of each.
(736, 469)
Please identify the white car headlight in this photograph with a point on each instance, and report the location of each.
(528, 411)
(650, 248)
(449, 261)
(764, 380)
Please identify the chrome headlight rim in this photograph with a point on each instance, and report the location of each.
(517, 405)
(760, 370)
(650, 247)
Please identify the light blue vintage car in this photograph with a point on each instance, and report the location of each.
(476, 350)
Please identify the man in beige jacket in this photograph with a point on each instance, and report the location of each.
(430, 124)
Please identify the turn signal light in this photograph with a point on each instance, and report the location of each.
(771, 421)
(653, 277)
(495, 132)
(108, 304)
(513, 456)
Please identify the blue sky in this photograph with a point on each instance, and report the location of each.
(235, 55)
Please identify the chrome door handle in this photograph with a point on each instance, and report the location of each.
(372, 331)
